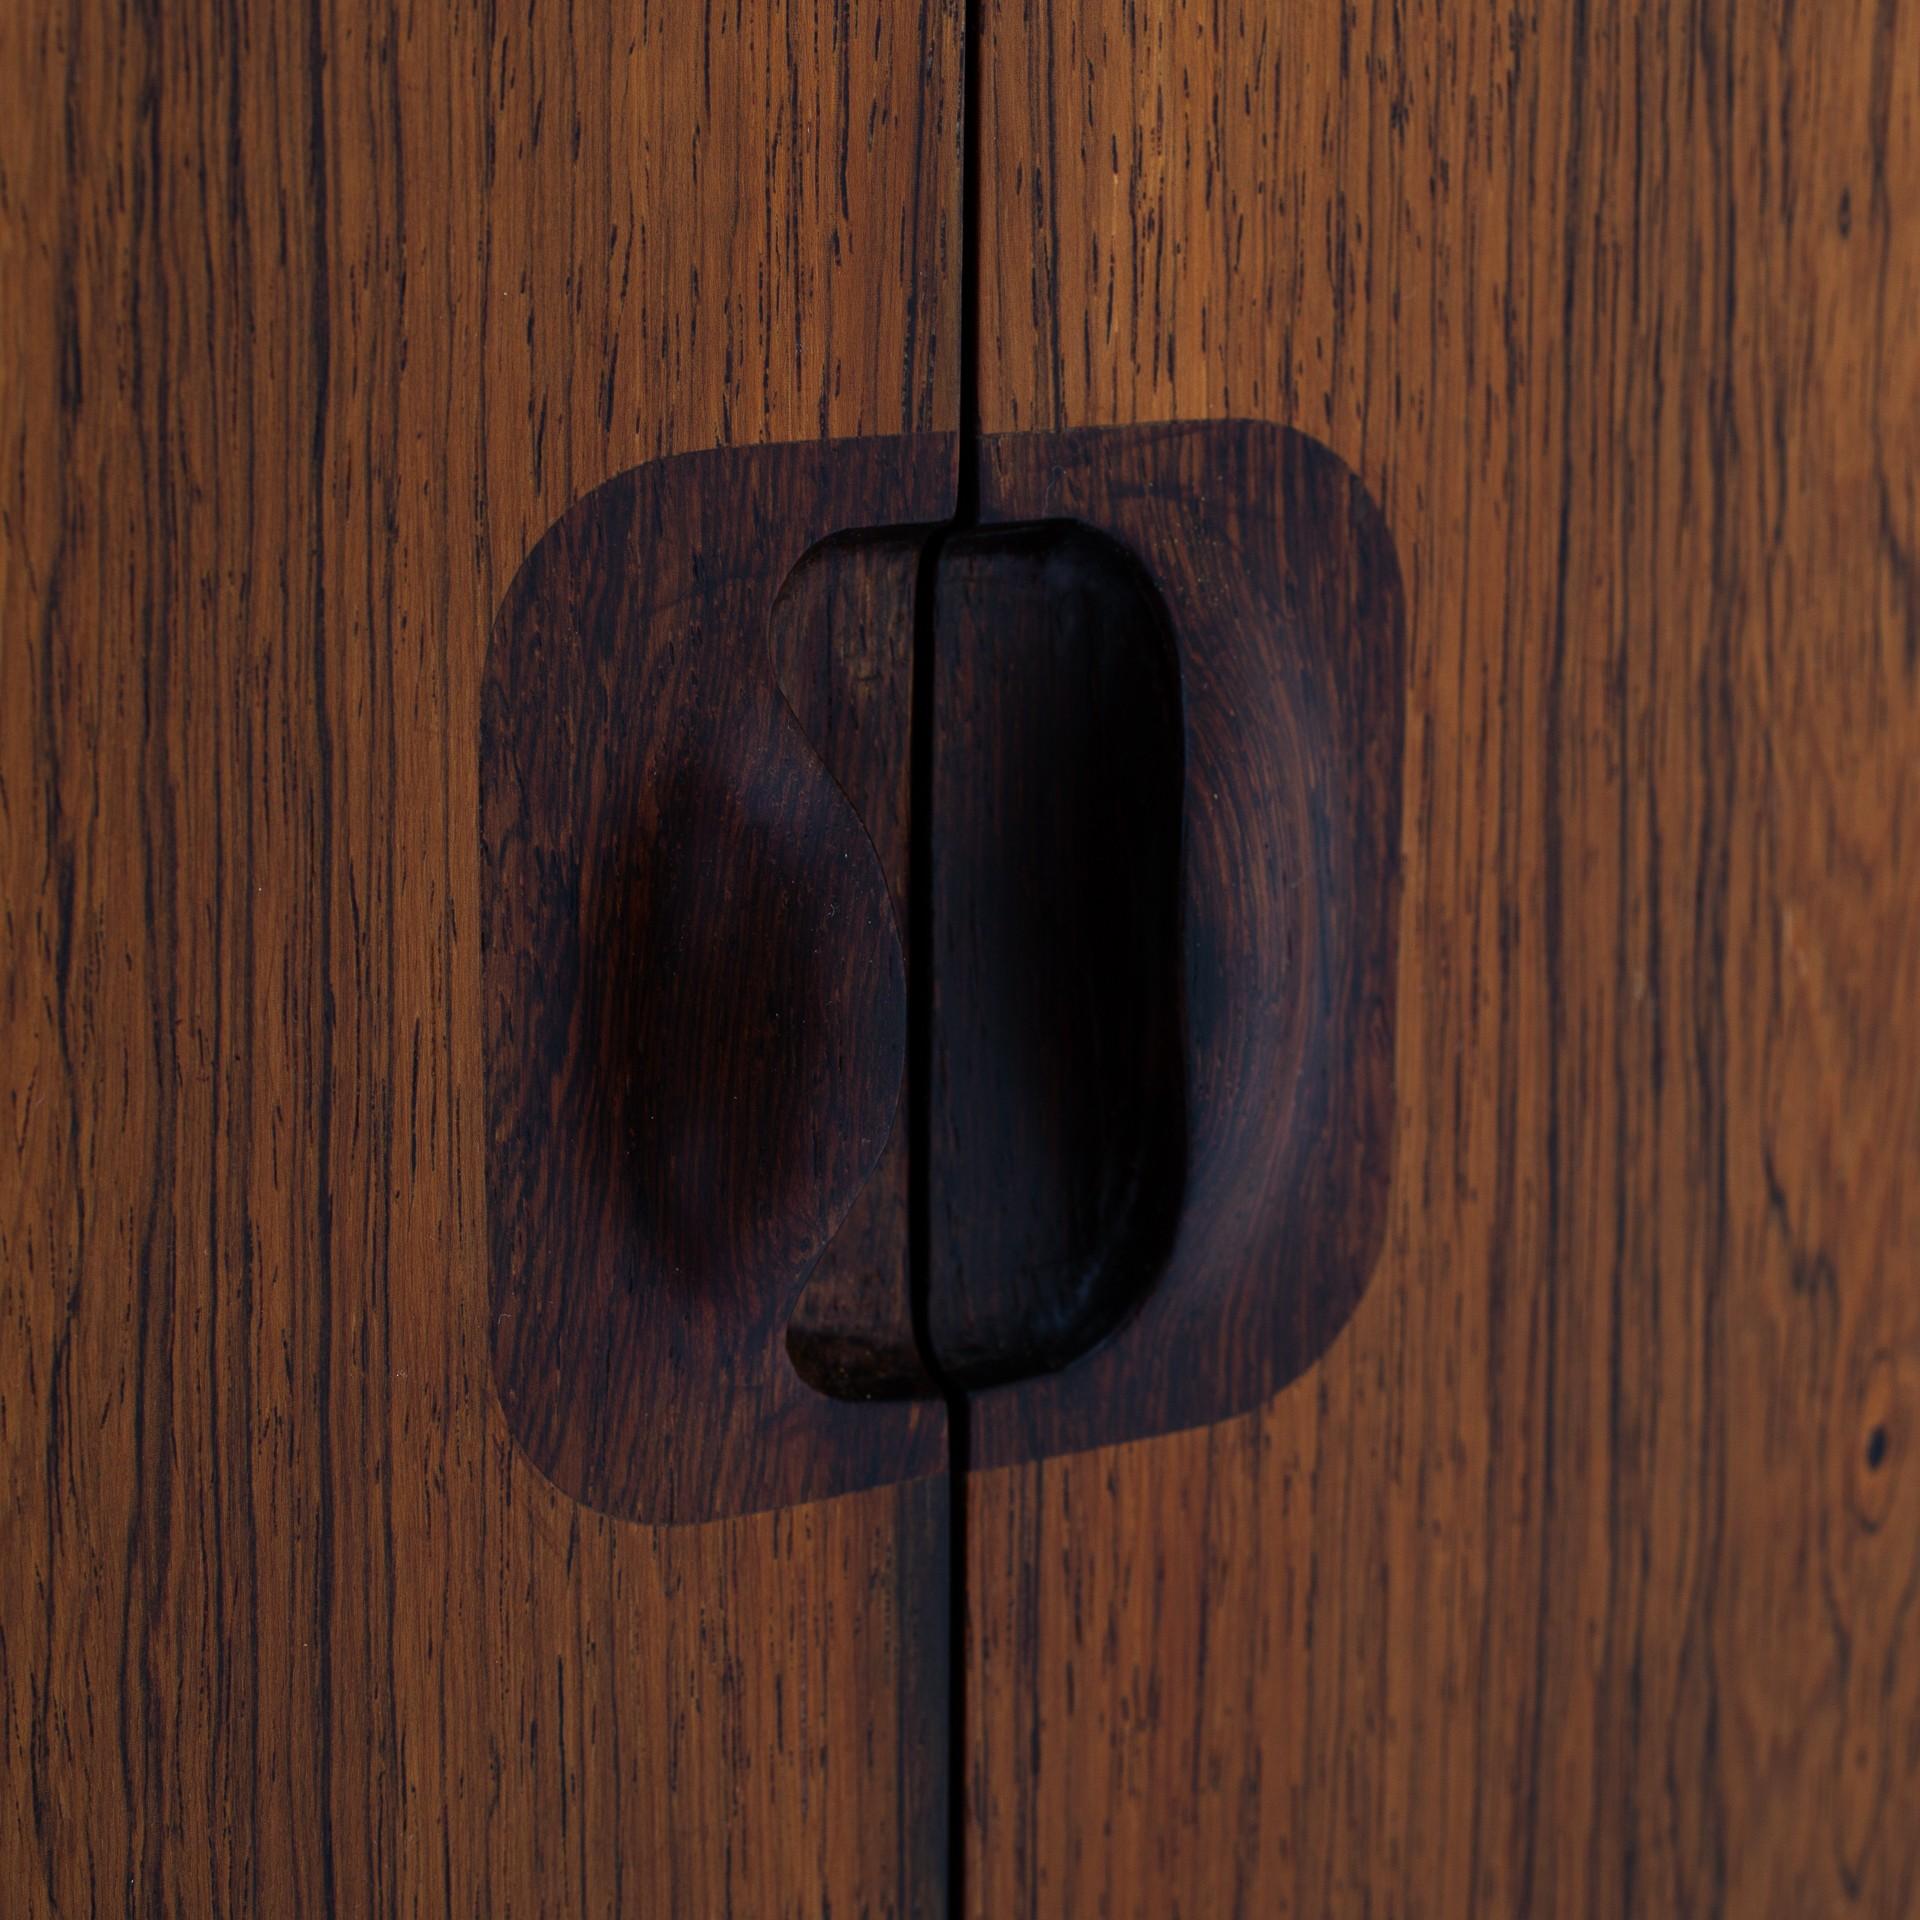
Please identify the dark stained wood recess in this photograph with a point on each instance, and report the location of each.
(696, 1018)
(1152, 930)
(1582, 1574)
(1256, 1160)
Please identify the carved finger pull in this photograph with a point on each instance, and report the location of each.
(922, 958)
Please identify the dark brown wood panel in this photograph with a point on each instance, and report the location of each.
(1262, 1135)
(695, 987)
(843, 654)
(1583, 1575)
(313, 320)
(1056, 1126)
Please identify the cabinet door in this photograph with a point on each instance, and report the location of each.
(314, 319)
(1580, 1576)
(1579, 1573)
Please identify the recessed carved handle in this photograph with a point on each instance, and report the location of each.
(1114, 777)
(1056, 1143)
(694, 992)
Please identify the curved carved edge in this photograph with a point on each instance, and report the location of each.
(666, 1154)
(1281, 581)
(1284, 593)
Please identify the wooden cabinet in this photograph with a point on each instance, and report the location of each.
(1579, 1573)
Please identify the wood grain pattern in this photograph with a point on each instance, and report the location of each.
(313, 319)
(695, 1013)
(1282, 609)
(1161, 728)
(843, 643)
(1582, 1576)
(1056, 1127)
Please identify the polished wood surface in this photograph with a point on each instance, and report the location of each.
(311, 322)
(843, 642)
(1583, 1574)
(1277, 582)
(1056, 1127)
(694, 994)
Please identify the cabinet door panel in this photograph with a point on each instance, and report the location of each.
(314, 320)
(1580, 1576)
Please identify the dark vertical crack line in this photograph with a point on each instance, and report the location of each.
(147, 1787)
(966, 505)
(920, 951)
(60, 854)
(1554, 938)
(320, 1058)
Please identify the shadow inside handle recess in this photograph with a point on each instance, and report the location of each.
(1041, 878)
